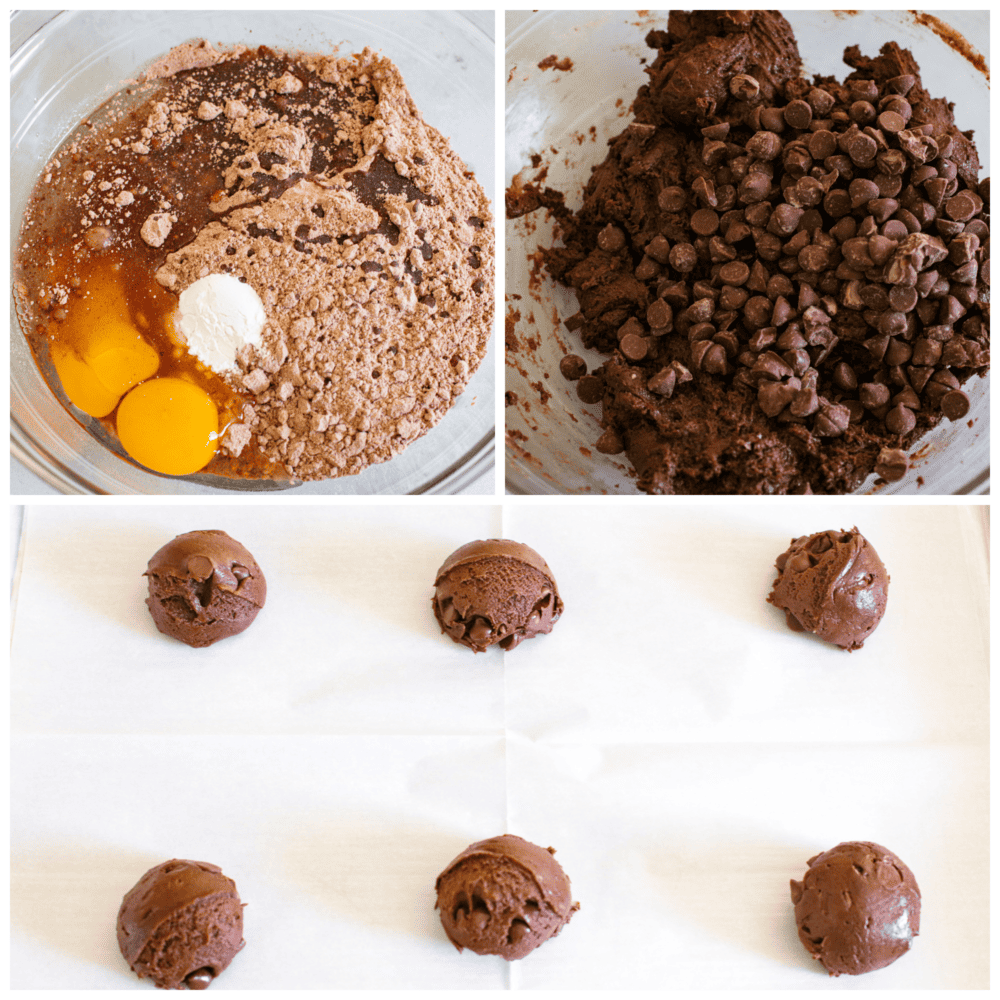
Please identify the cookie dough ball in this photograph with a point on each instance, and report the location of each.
(181, 925)
(504, 896)
(857, 908)
(495, 592)
(833, 584)
(203, 587)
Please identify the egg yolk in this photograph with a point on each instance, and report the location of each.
(120, 357)
(81, 384)
(100, 354)
(169, 426)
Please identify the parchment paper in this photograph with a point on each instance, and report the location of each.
(680, 748)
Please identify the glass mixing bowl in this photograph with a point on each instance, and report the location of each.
(64, 64)
(550, 433)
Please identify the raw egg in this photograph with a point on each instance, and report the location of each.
(120, 357)
(81, 384)
(169, 425)
(98, 353)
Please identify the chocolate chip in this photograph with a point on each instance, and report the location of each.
(772, 367)
(889, 185)
(821, 101)
(900, 420)
(894, 229)
(799, 361)
(880, 249)
(734, 273)
(961, 207)
(705, 222)
(814, 259)
(781, 313)
(901, 84)
(926, 352)
(963, 248)
(806, 400)
(660, 316)
(837, 203)
(683, 258)
(611, 238)
(659, 249)
(806, 192)
(672, 199)
(631, 325)
(898, 352)
(979, 228)
(862, 112)
(955, 404)
(844, 377)
(200, 979)
(784, 219)
(798, 114)
(772, 119)
(648, 268)
(892, 464)
(572, 367)
(732, 298)
(744, 87)
(863, 90)
(891, 122)
(832, 420)
(663, 382)
(713, 152)
(634, 348)
(519, 928)
(791, 338)
(753, 188)
(590, 389)
(704, 188)
(773, 397)
(861, 149)
(714, 360)
(609, 443)
(873, 395)
(862, 191)
(719, 131)
(902, 298)
(764, 145)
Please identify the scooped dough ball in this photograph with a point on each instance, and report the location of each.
(181, 924)
(857, 908)
(832, 584)
(204, 586)
(504, 896)
(495, 592)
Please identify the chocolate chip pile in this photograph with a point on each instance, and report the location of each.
(805, 265)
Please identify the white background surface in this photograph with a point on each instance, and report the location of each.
(683, 751)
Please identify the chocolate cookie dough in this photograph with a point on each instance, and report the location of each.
(181, 925)
(789, 276)
(857, 908)
(832, 584)
(204, 586)
(504, 896)
(495, 592)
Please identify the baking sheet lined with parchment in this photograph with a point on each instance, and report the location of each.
(683, 751)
